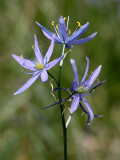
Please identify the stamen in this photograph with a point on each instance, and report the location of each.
(69, 31)
(33, 46)
(21, 56)
(79, 25)
(53, 22)
(64, 18)
(56, 31)
(67, 22)
(56, 26)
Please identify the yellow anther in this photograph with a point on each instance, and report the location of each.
(39, 66)
(21, 56)
(64, 18)
(69, 31)
(33, 46)
(79, 24)
(53, 22)
(81, 89)
(56, 26)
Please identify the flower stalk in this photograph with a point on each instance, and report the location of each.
(61, 108)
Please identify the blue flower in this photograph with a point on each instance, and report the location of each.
(39, 67)
(83, 89)
(62, 36)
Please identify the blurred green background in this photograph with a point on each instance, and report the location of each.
(26, 131)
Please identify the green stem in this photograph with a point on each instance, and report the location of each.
(61, 108)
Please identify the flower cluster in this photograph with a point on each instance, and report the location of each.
(40, 67)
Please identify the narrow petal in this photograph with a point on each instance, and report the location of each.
(62, 30)
(78, 33)
(25, 62)
(95, 86)
(75, 103)
(54, 104)
(68, 46)
(53, 63)
(49, 52)
(76, 80)
(44, 75)
(37, 51)
(28, 84)
(83, 40)
(90, 112)
(48, 33)
(93, 77)
(56, 39)
(86, 71)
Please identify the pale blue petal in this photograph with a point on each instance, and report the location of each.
(62, 30)
(83, 40)
(44, 75)
(90, 112)
(57, 40)
(37, 51)
(75, 103)
(49, 52)
(28, 83)
(49, 33)
(86, 71)
(93, 77)
(76, 80)
(25, 62)
(53, 63)
(78, 33)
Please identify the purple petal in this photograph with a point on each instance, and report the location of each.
(88, 108)
(86, 71)
(62, 30)
(95, 86)
(57, 40)
(25, 62)
(75, 103)
(49, 52)
(37, 51)
(93, 77)
(48, 33)
(53, 63)
(78, 33)
(44, 75)
(76, 80)
(28, 84)
(83, 40)
(68, 46)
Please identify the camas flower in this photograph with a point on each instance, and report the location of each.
(38, 67)
(83, 89)
(62, 33)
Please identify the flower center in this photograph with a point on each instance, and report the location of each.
(81, 89)
(39, 66)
